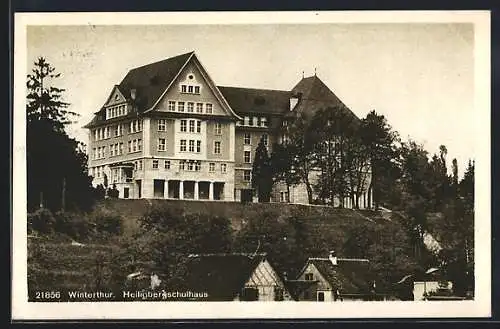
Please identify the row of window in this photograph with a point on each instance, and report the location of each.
(194, 126)
(134, 145)
(189, 165)
(97, 171)
(253, 122)
(190, 89)
(116, 111)
(118, 130)
(190, 107)
(247, 139)
(184, 143)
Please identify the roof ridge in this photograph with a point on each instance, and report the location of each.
(251, 88)
(161, 61)
(227, 254)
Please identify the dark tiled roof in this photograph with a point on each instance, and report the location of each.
(315, 95)
(223, 276)
(151, 80)
(250, 100)
(349, 276)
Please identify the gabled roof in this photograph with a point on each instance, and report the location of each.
(222, 276)
(349, 276)
(251, 100)
(314, 95)
(151, 80)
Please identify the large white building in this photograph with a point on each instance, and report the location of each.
(168, 131)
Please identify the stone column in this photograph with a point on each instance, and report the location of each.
(165, 189)
(196, 193)
(181, 190)
(211, 191)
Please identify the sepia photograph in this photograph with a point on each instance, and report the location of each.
(316, 164)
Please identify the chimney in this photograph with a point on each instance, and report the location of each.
(332, 257)
(133, 93)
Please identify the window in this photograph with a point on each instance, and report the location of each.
(183, 88)
(140, 164)
(117, 130)
(263, 122)
(199, 107)
(191, 126)
(139, 144)
(155, 164)
(265, 138)
(107, 132)
(129, 146)
(180, 106)
(190, 165)
(247, 175)
(190, 107)
(121, 148)
(167, 164)
(278, 294)
(211, 167)
(182, 164)
(190, 89)
(196, 89)
(135, 126)
(198, 126)
(246, 157)
(94, 153)
(217, 147)
(309, 276)
(223, 167)
(250, 294)
(183, 145)
(183, 125)
(218, 128)
(247, 139)
(198, 146)
(162, 125)
(246, 121)
(197, 166)
(208, 108)
(161, 144)
(250, 121)
(171, 105)
(321, 296)
(134, 145)
(191, 145)
(284, 197)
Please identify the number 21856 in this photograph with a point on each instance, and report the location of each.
(47, 295)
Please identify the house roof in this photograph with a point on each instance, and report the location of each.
(296, 287)
(349, 276)
(151, 80)
(222, 276)
(314, 95)
(251, 100)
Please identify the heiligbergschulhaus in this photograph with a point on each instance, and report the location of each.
(168, 131)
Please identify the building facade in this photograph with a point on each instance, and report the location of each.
(168, 131)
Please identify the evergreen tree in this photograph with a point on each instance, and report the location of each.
(262, 176)
(56, 163)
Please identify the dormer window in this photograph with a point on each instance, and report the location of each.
(116, 111)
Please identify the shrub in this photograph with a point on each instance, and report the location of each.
(108, 223)
(41, 221)
(76, 225)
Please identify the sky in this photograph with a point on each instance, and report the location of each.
(420, 76)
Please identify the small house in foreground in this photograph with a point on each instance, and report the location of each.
(235, 277)
(337, 279)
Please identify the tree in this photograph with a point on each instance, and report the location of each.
(380, 143)
(56, 163)
(262, 179)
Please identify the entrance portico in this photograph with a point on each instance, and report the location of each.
(191, 190)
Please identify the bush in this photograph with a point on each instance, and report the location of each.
(76, 225)
(41, 221)
(108, 223)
